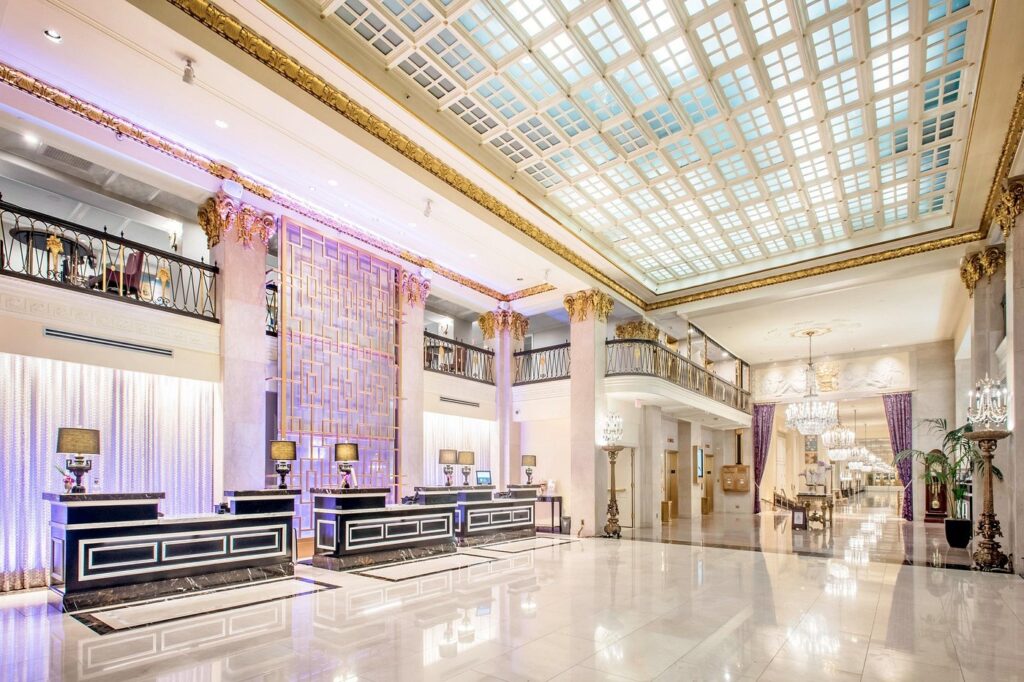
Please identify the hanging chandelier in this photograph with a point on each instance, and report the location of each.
(841, 441)
(811, 416)
(987, 404)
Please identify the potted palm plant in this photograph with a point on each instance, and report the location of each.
(947, 467)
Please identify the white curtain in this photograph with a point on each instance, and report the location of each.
(156, 435)
(441, 431)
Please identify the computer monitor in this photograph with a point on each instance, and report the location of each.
(483, 477)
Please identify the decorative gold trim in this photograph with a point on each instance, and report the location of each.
(126, 129)
(637, 329)
(255, 45)
(221, 214)
(1009, 205)
(528, 291)
(583, 304)
(496, 321)
(415, 289)
(1006, 154)
(980, 264)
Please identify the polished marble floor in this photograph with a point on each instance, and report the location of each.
(866, 527)
(589, 609)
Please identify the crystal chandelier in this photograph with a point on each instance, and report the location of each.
(811, 416)
(839, 441)
(612, 432)
(987, 403)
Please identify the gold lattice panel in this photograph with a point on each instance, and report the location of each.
(339, 360)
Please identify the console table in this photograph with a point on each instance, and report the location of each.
(111, 548)
(556, 521)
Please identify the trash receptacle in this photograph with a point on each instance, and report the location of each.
(566, 525)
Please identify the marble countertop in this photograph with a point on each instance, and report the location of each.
(451, 488)
(263, 492)
(101, 497)
(350, 491)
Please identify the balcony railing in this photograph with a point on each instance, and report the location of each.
(52, 251)
(272, 309)
(541, 364)
(456, 358)
(649, 358)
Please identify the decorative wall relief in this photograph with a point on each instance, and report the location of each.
(339, 358)
(860, 375)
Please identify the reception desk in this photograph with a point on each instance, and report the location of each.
(356, 527)
(480, 517)
(110, 548)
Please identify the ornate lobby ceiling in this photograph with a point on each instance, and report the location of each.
(696, 140)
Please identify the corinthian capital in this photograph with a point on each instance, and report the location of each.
(590, 302)
(1010, 205)
(980, 264)
(415, 289)
(497, 321)
(221, 214)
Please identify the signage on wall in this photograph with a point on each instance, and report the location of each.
(698, 463)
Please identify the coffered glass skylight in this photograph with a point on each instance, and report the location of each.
(704, 139)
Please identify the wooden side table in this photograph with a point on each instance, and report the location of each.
(555, 520)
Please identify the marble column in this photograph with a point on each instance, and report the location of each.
(414, 292)
(505, 329)
(650, 469)
(238, 234)
(588, 323)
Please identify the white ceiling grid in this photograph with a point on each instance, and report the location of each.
(694, 140)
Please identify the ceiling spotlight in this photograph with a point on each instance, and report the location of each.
(53, 35)
(332, 183)
(31, 138)
(189, 75)
(428, 209)
(472, 255)
(221, 124)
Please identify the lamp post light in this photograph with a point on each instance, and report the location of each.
(987, 409)
(612, 433)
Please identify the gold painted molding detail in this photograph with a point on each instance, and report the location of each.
(1006, 154)
(496, 321)
(1009, 206)
(980, 264)
(637, 329)
(252, 43)
(415, 289)
(583, 304)
(221, 214)
(125, 129)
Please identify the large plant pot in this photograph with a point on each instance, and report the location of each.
(958, 532)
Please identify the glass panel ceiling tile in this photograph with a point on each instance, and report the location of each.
(764, 125)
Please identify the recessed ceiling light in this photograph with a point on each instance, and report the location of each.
(220, 124)
(412, 224)
(472, 255)
(333, 183)
(312, 188)
(53, 35)
(31, 138)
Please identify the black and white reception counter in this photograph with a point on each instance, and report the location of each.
(111, 548)
(481, 516)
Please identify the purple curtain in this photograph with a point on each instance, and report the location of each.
(764, 417)
(898, 416)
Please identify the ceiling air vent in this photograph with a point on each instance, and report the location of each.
(456, 401)
(109, 343)
(67, 159)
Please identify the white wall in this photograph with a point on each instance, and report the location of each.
(436, 385)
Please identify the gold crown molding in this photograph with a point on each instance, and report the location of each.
(984, 263)
(415, 289)
(231, 29)
(126, 129)
(496, 321)
(221, 214)
(637, 329)
(582, 304)
(1006, 154)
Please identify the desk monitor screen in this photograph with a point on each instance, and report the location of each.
(483, 477)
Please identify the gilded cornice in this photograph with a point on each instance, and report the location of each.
(126, 130)
(590, 302)
(1009, 205)
(415, 289)
(637, 329)
(980, 264)
(231, 29)
(496, 321)
(219, 215)
(1006, 154)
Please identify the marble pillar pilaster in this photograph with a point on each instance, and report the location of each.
(505, 329)
(414, 292)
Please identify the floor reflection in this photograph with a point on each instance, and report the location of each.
(866, 528)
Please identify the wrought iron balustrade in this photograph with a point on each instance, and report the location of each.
(541, 364)
(45, 249)
(447, 356)
(626, 357)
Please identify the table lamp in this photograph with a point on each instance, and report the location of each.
(466, 459)
(529, 461)
(343, 454)
(447, 458)
(282, 452)
(78, 443)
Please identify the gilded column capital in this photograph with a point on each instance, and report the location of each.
(415, 289)
(980, 264)
(221, 214)
(496, 321)
(637, 329)
(582, 304)
(1010, 205)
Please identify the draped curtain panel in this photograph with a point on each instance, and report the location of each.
(442, 431)
(156, 435)
(898, 416)
(764, 418)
